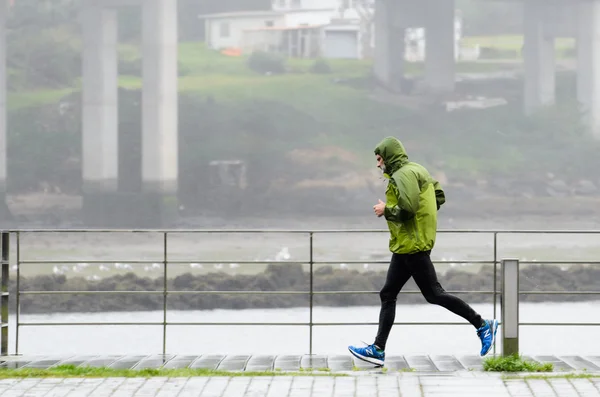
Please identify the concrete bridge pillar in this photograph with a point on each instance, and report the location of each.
(156, 204)
(389, 44)
(588, 63)
(4, 211)
(440, 46)
(100, 111)
(160, 105)
(538, 57)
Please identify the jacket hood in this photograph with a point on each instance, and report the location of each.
(393, 153)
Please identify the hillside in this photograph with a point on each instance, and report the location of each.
(307, 131)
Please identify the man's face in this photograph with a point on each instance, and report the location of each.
(380, 163)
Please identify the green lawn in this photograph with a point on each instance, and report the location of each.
(508, 42)
(210, 73)
(71, 371)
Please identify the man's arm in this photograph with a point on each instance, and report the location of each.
(440, 196)
(408, 198)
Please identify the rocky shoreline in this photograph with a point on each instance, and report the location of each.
(283, 278)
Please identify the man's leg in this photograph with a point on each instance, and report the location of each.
(397, 275)
(424, 274)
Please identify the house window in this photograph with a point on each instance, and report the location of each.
(269, 24)
(224, 29)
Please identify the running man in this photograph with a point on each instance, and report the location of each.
(413, 200)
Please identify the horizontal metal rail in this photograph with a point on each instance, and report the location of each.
(116, 292)
(165, 262)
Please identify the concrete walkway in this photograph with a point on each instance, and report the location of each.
(333, 363)
(461, 384)
(421, 376)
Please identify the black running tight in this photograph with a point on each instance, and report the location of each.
(419, 267)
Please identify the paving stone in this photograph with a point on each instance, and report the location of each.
(280, 386)
(563, 388)
(75, 360)
(104, 361)
(155, 361)
(259, 386)
(215, 387)
(585, 387)
(287, 363)
(580, 363)
(313, 361)
(179, 362)
(193, 387)
(340, 363)
(447, 363)
(409, 387)
(260, 363)
(518, 388)
(421, 363)
(208, 361)
(559, 365)
(471, 362)
(237, 387)
(126, 362)
(233, 363)
(540, 388)
(396, 363)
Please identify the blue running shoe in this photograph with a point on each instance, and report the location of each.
(487, 334)
(369, 354)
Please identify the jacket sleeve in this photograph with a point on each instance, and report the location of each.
(408, 191)
(440, 196)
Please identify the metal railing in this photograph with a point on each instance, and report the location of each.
(509, 291)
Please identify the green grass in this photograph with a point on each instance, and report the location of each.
(210, 73)
(511, 42)
(547, 377)
(72, 371)
(20, 100)
(515, 363)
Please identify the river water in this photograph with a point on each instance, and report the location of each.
(277, 340)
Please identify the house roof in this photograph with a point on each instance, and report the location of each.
(237, 14)
(284, 28)
(265, 13)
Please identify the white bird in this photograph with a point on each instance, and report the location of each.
(196, 265)
(343, 266)
(283, 255)
(218, 266)
(233, 265)
(76, 269)
(366, 266)
(57, 270)
(156, 266)
(103, 268)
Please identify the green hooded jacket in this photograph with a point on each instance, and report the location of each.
(413, 198)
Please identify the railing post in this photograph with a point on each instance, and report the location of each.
(510, 307)
(4, 297)
(165, 293)
(311, 295)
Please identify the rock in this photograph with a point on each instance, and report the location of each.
(558, 188)
(586, 188)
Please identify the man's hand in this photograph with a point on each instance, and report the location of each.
(379, 208)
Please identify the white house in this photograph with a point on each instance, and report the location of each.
(305, 29)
